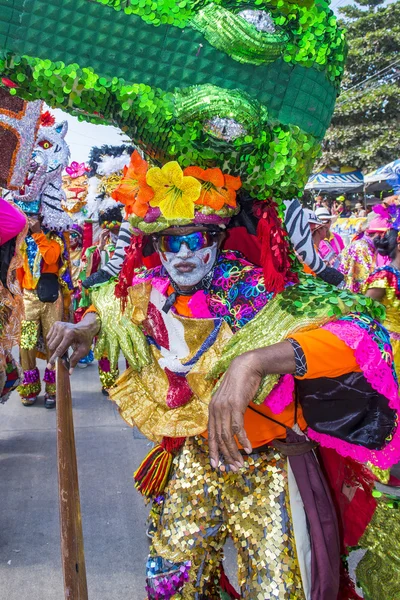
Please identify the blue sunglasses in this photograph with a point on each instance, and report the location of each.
(194, 241)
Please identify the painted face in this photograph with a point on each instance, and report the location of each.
(186, 266)
(75, 240)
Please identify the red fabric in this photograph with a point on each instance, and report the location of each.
(133, 260)
(179, 392)
(351, 485)
(274, 249)
(172, 444)
(87, 239)
(238, 238)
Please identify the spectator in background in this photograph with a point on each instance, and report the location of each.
(359, 211)
(317, 203)
(332, 244)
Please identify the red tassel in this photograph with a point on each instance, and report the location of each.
(172, 444)
(274, 249)
(153, 473)
(133, 260)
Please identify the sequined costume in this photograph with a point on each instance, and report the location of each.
(388, 278)
(379, 569)
(44, 252)
(357, 262)
(173, 361)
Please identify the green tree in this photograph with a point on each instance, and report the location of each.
(365, 129)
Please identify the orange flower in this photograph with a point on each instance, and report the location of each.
(217, 189)
(133, 191)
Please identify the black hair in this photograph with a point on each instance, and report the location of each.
(387, 245)
(7, 252)
(113, 213)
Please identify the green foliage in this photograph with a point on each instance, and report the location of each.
(365, 129)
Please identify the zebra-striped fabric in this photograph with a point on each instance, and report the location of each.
(113, 266)
(299, 232)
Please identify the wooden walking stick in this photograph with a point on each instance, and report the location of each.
(72, 551)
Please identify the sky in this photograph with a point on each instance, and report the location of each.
(81, 137)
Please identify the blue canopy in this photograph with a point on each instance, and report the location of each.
(341, 182)
(384, 178)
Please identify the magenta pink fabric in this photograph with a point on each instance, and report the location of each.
(12, 221)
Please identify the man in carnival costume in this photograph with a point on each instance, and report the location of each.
(44, 275)
(234, 111)
(202, 312)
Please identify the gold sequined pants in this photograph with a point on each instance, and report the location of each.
(39, 315)
(204, 506)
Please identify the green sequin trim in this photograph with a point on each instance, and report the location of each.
(108, 378)
(238, 38)
(118, 333)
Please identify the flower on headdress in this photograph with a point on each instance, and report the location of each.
(174, 194)
(217, 189)
(76, 169)
(133, 191)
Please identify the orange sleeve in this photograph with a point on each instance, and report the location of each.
(91, 309)
(326, 354)
(49, 249)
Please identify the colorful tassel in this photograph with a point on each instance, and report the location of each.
(153, 473)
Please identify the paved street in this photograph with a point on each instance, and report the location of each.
(113, 512)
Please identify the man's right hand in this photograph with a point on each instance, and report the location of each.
(80, 336)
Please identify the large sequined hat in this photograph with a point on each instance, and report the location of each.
(247, 86)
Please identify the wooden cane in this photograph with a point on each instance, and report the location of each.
(72, 551)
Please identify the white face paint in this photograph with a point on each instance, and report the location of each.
(187, 268)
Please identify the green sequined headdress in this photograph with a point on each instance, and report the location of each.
(245, 85)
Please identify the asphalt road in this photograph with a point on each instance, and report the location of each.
(113, 513)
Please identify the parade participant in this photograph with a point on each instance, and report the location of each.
(44, 275)
(97, 257)
(13, 228)
(185, 323)
(317, 226)
(383, 285)
(75, 250)
(44, 256)
(332, 245)
(358, 260)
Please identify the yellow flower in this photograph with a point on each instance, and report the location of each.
(174, 194)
